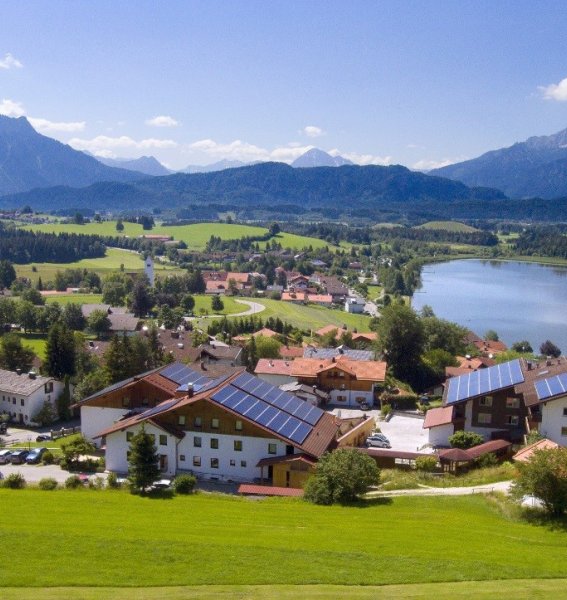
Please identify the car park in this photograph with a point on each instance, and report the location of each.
(5, 456)
(35, 455)
(18, 457)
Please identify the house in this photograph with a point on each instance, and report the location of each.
(22, 395)
(469, 363)
(274, 371)
(313, 395)
(235, 428)
(339, 351)
(350, 383)
(525, 453)
(439, 421)
(355, 305)
(121, 321)
(221, 354)
(332, 285)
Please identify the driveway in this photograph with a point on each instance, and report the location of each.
(406, 433)
(33, 473)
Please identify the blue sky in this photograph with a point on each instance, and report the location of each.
(416, 83)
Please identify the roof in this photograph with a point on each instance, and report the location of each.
(435, 417)
(238, 277)
(320, 298)
(291, 351)
(490, 346)
(370, 370)
(487, 447)
(213, 285)
(301, 390)
(277, 460)
(265, 332)
(221, 352)
(534, 373)
(388, 453)
(318, 353)
(484, 381)
(23, 384)
(328, 328)
(267, 490)
(273, 366)
(526, 453)
(87, 309)
(123, 322)
(455, 455)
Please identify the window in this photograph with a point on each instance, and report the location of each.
(196, 461)
(272, 448)
(129, 436)
(125, 402)
(486, 401)
(182, 458)
(565, 412)
(197, 442)
(238, 445)
(214, 463)
(564, 431)
(198, 422)
(215, 443)
(238, 425)
(512, 403)
(22, 402)
(163, 440)
(341, 398)
(181, 420)
(484, 418)
(512, 419)
(242, 463)
(232, 462)
(13, 401)
(214, 423)
(341, 374)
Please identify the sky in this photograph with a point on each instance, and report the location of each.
(420, 83)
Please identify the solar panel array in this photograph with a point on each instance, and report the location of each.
(484, 381)
(152, 412)
(267, 405)
(183, 376)
(552, 386)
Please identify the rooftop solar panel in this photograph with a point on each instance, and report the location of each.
(160, 408)
(300, 433)
(484, 381)
(552, 386)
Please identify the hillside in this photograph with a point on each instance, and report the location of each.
(263, 185)
(536, 167)
(147, 165)
(29, 160)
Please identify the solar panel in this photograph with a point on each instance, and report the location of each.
(160, 408)
(552, 386)
(289, 427)
(484, 381)
(300, 433)
(268, 416)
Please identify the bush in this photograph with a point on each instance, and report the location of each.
(184, 484)
(465, 439)
(318, 491)
(112, 481)
(15, 481)
(428, 464)
(385, 410)
(73, 482)
(96, 483)
(400, 401)
(48, 458)
(48, 484)
(487, 460)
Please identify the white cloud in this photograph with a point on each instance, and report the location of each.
(9, 108)
(103, 143)
(428, 165)
(363, 159)
(555, 91)
(312, 131)
(289, 153)
(162, 121)
(9, 62)
(236, 150)
(45, 126)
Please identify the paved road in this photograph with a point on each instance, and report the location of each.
(254, 308)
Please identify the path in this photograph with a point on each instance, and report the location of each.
(499, 486)
(254, 308)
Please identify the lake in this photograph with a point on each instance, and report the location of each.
(520, 301)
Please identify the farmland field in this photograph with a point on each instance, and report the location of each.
(202, 540)
(448, 226)
(195, 235)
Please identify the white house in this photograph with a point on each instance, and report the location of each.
(22, 395)
(354, 305)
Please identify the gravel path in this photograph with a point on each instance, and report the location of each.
(500, 486)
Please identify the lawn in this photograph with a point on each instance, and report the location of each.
(203, 303)
(108, 538)
(195, 235)
(53, 445)
(74, 299)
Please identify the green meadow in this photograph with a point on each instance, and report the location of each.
(448, 226)
(91, 539)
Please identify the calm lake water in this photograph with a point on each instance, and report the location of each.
(520, 301)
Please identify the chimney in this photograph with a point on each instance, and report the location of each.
(18, 371)
(31, 375)
(190, 390)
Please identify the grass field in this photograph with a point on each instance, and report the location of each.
(374, 291)
(195, 235)
(203, 303)
(74, 299)
(36, 342)
(448, 226)
(105, 538)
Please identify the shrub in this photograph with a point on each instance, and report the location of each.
(96, 483)
(465, 439)
(400, 401)
(73, 482)
(15, 481)
(385, 410)
(48, 458)
(428, 464)
(48, 484)
(487, 460)
(184, 484)
(112, 480)
(318, 491)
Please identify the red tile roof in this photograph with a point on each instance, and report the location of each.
(268, 490)
(436, 417)
(487, 447)
(369, 370)
(291, 351)
(273, 366)
(526, 453)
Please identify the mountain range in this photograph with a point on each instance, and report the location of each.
(319, 158)
(147, 165)
(536, 167)
(29, 160)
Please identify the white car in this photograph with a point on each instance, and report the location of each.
(378, 440)
(5, 457)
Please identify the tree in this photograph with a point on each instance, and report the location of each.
(143, 461)
(73, 317)
(545, 477)
(119, 226)
(73, 450)
(188, 303)
(216, 303)
(13, 355)
(117, 359)
(491, 336)
(274, 229)
(267, 347)
(141, 299)
(7, 274)
(341, 477)
(59, 352)
(548, 348)
(465, 439)
(443, 335)
(99, 323)
(252, 354)
(401, 339)
(64, 401)
(46, 415)
(524, 347)
(34, 296)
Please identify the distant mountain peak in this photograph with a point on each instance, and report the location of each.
(148, 165)
(315, 157)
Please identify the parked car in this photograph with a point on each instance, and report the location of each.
(5, 456)
(18, 457)
(35, 455)
(378, 441)
(43, 437)
(3, 428)
(161, 484)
